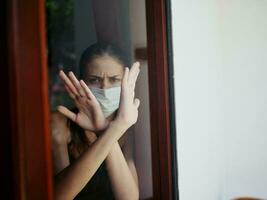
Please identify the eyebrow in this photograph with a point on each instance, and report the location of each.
(114, 76)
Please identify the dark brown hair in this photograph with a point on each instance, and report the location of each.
(100, 49)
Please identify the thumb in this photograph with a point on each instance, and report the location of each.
(136, 102)
(67, 113)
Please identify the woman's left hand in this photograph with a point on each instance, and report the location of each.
(128, 109)
(90, 116)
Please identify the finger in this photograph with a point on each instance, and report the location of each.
(78, 103)
(137, 71)
(136, 102)
(76, 84)
(67, 82)
(133, 73)
(69, 92)
(87, 91)
(66, 112)
(125, 77)
(135, 78)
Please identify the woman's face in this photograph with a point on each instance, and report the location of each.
(104, 72)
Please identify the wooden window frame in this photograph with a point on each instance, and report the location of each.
(29, 106)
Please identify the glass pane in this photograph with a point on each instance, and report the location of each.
(109, 34)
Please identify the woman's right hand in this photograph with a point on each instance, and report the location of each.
(90, 116)
(128, 108)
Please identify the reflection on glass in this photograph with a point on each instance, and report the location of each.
(96, 40)
(61, 47)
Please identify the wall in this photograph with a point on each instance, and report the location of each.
(220, 71)
(142, 127)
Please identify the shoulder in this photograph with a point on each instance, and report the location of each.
(59, 128)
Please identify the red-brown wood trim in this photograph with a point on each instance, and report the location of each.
(29, 100)
(151, 198)
(159, 99)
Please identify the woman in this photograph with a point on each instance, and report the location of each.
(89, 135)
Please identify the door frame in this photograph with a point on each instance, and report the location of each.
(29, 106)
(161, 91)
(28, 91)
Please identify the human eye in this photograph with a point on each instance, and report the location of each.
(93, 80)
(115, 80)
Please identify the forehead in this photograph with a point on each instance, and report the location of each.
(104, 65)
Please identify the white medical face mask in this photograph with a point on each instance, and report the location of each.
(109, 99)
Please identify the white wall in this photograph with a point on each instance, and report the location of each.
(220, 67)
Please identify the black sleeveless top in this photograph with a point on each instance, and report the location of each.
(98, 188)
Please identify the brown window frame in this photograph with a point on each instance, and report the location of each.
(29, 107)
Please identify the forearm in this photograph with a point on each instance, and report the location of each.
(81, 171)
(124, 184)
